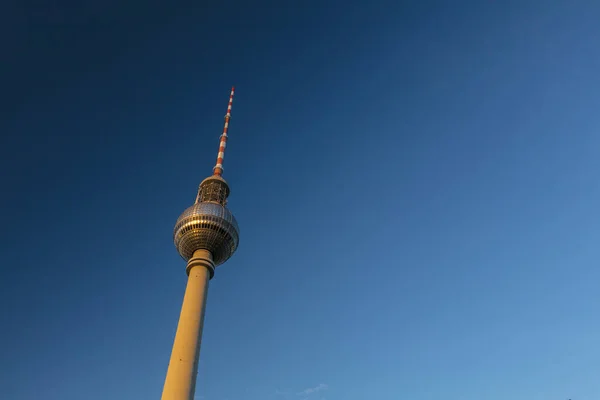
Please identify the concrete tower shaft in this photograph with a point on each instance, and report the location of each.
(206, 235)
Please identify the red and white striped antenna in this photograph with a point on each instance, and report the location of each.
(218, 169)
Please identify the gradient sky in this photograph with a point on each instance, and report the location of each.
(417, 186)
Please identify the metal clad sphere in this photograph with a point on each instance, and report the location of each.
(206, 226)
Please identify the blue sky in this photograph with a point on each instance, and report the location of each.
(416, 183)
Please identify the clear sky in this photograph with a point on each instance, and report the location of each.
(416, 183)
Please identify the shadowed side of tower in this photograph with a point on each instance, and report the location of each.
(206, 234)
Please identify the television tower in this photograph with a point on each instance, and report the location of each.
(206, 235)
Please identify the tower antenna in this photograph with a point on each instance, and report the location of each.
(218, 168)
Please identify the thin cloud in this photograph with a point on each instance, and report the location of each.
(308, 391)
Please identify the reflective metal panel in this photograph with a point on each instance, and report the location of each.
(206, 226)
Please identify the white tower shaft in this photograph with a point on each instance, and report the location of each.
(180, 383)
(206, 234)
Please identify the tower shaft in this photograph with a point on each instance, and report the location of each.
(206, 235)
(180, 383)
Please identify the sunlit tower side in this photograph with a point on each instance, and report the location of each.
(206, 235)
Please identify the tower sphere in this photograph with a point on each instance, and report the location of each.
(206, 226)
